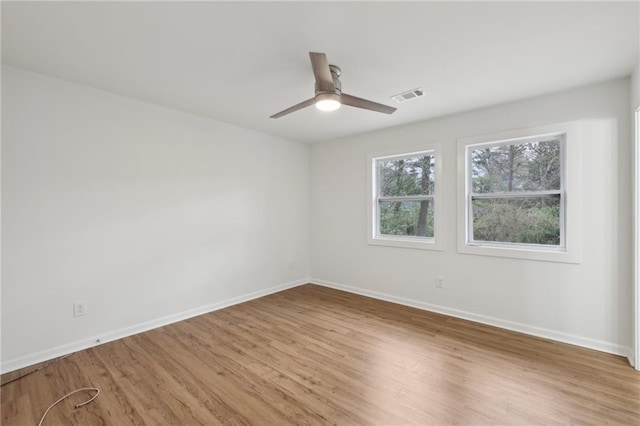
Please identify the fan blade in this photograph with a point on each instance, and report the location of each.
(324, 81)
(365, 104)
(294, 108)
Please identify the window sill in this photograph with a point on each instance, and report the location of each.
(525, 253)
(413, 243)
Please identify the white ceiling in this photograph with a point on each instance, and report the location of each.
(242, 62)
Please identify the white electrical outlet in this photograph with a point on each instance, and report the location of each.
(79, 308)
(439, 282)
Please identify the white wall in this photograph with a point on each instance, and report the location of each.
(150, 215)
(146, 213)
(635, 88)
(588, 304)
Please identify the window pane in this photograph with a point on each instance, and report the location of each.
(517, 220)
(407, 176)
(532, 166)
(408, 218)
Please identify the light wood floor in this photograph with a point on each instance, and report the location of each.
(313, 355)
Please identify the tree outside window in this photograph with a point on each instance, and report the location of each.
(405, 195)
(516, 192)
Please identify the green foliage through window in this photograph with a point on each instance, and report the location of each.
(406, 176)
(408, 218)
(531, 166)
(517, 220)
(517, 191)
(405, 195)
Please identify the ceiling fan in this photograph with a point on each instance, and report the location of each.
(329, 95)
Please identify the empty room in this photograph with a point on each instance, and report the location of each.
(310, 213)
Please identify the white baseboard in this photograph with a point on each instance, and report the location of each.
(78, 345)
(572, 339)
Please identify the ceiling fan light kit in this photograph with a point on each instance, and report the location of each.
(327, 101)
(328, 91)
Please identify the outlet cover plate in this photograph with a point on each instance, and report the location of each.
(79, 308)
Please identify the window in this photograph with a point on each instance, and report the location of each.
(403, 203)
(516, 192)
(513, 194)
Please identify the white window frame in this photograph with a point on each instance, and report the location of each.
(373, 234)
(569, 250)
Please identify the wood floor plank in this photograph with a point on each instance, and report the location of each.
(315, 356)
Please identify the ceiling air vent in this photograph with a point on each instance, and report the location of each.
(407, 96)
